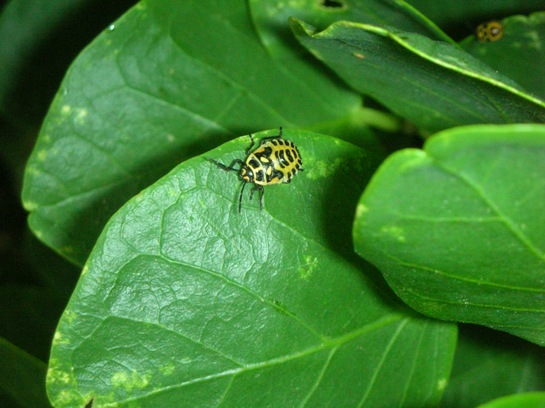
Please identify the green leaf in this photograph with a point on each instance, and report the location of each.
(22, 376)
(166, 81)
(186, 302)
(523, 40)
(35, 49)
(489, 364)
(530, 400)
(457, 229)
(432, 84)
(271, 18)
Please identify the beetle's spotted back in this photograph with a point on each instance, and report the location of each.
(275, 161)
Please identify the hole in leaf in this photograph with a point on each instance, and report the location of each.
(333, 4)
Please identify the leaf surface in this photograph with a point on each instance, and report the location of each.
(271, 18)
(457, 229)
(166, 81)
(432, 84)
(489, 364)
(523, 40)
(186, 302)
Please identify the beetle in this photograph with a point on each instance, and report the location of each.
(274, 161)
(489, 31)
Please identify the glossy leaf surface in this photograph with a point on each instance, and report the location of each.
(457, 229)
(186, 302)
(432, 84)
(271, 18)
(168, 80)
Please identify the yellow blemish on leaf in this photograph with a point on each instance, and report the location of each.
(63, 377)
(306, 270)
(41, 155)
(321, 169)
(395, 232)
(533, 40)
(358, 55)
(67, 249)
(130, 381)
(171, 138)
(57, 375)
(85, 270)
(39, 234)
(361, 210)
(70, 316)
(67, 399)
(66, 109)
(167, 370)
(30, 206)
(441, 384)
(81, 114)
(57, 337)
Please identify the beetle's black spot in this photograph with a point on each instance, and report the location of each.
(290, 157)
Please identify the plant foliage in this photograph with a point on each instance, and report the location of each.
(418, 211)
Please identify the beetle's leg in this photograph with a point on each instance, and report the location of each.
(224, 167)
(249, 149)
(278, 136)
(240, 197)
(261, 192)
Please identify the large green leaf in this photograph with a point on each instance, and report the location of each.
(489, 364)
(35, 50)
(457, 229)
(166, 81)
(186, 302)
(271, 18)
(432, 84)
(523, 40)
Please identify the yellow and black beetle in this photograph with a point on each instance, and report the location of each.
(274, 161)
(489, 31)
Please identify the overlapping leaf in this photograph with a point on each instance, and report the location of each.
(271, 19)
(186, 302)
(166, 81)
(523, 40)
(489, 364)
(457, 229)
(432, 84)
